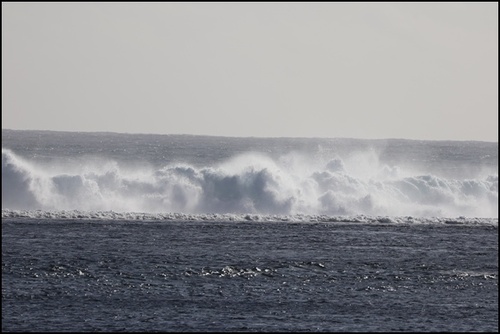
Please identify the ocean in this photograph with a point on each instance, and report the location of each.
(144, 232)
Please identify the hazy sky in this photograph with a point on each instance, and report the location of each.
(359, 70)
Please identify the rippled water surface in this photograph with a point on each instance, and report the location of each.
(98, 275)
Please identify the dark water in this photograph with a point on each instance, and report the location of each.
(78, 275)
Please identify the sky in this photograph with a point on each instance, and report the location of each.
(425, 71)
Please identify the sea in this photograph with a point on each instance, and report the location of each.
(125, 232)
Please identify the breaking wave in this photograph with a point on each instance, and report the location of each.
(246, 185)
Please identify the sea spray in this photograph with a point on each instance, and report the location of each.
(253, 183)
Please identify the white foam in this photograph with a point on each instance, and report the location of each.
(227, 217)
(247, 184)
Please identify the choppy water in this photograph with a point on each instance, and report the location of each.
(92, 275)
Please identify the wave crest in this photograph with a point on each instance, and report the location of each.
(249, 183)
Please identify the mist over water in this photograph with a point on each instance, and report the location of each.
(197, 175)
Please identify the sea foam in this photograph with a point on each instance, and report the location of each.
(228, 217)
(248, 183)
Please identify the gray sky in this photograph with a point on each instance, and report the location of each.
(360, 70)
